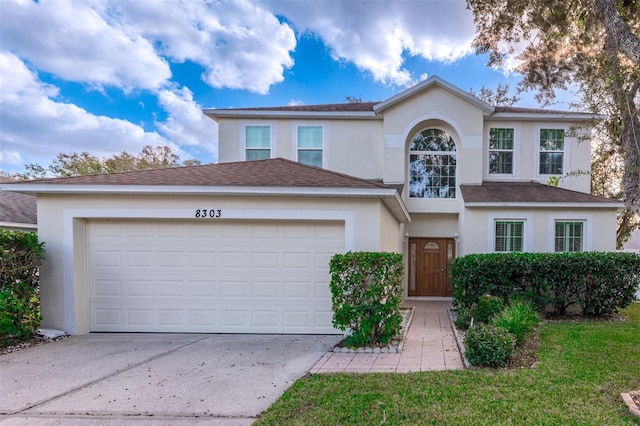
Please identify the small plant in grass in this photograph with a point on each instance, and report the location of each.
(489, 346)
(519, 318)
(487, 307)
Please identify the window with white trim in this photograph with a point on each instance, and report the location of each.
(310, 145)
(257, 142)
(551, 151)
(432, 165)
(509, 235)
(500, 151)
(569, 236)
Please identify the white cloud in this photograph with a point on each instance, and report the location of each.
(128, 43)
(73, 41)
(36, 127)
(239, 44)
(376, 34)
(186, 125)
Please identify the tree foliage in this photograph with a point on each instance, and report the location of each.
(74, 164)
(501, 96)
(591, 43)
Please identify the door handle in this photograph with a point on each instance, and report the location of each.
(441, 268)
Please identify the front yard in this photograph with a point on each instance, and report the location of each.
(583, 368)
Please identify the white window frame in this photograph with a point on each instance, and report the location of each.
(243, 136)
(515, 152)
(527, 229)
(587, 229)
(565, 152)
(294, 139)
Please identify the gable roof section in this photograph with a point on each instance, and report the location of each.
(273, 177)
(434, 81)
(17, 210)
(532, 194)
(375, 110)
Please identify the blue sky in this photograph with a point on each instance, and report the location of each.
(106, 76)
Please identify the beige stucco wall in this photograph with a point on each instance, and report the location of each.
(477, 235)
(526, 153)
(353, 147)
(62, 222)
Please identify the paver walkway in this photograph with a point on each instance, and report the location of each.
(429, 345)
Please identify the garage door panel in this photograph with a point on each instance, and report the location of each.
(212, 276)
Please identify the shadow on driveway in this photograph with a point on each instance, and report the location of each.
(216, 379)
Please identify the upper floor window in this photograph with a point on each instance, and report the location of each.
(551, 151)
(257, 142)
(432, 165)
(569, 236)
(501, 151)
(310, 145)
(509, 236)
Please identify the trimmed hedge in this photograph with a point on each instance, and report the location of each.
(366, 291)
(599, 283)
(20, 257)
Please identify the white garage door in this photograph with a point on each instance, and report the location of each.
(211, 276)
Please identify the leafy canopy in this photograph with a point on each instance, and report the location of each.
(74, 164)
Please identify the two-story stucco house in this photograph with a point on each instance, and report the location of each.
(244, 245)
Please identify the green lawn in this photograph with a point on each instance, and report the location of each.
(584, 366)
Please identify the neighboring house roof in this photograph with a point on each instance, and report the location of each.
(530, 193)
(375, 110)
(17, 210)
(276, 176)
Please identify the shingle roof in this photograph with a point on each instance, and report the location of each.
(341, 107)
(526, 192)
(17, 208)
(276, 172)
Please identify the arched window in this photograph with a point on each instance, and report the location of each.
(432, 165)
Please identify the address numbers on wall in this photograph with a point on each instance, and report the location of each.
(208, 213)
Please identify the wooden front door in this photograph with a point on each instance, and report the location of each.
(429, 262)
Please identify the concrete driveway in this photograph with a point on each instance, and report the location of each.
(143, 379)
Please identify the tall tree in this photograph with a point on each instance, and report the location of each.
(74, 164)
(592, 43)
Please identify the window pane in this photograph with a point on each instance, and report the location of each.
(551, 139)
(551, 163)
(569, 236)
(432, 140)
(432, 176)
(509, 236)
(310, 137)
(258, 137)
(258, 154)
(501, 162)
(310, 157)
(501, 139)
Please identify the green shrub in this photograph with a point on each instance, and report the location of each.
(366, 291)
(20, 257)
(519, 319)
(596, 282)
(463, 319)
(489, 346)
(487, 307)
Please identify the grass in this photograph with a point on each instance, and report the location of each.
(584, 366)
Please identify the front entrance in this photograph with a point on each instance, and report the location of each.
(429, 262)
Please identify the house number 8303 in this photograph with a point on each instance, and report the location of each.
(208, 213)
